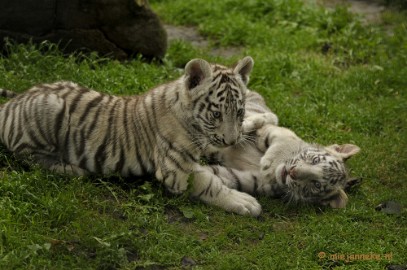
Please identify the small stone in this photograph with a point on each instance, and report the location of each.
(187, 261)
(396, 267)
(389, 207)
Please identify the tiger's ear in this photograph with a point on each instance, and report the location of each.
(244, 68)
(196, 71)
(345, 150)
(340, 200)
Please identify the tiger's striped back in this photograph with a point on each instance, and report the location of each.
(69, 128)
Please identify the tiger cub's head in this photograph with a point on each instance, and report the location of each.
(317, 174)
(215, 97)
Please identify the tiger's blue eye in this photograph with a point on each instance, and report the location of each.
(216, 114)
(315, 160)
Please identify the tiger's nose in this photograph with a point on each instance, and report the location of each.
(292, 173)
(229, 142)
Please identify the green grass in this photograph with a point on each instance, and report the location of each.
(329, 78)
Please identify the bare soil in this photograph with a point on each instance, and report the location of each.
(191, 35)
(370, 11)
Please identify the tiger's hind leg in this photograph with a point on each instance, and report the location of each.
(68, 169)
(53, 164)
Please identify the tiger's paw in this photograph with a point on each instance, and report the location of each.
(241, 203)
(266, 169)
(173, 184)
(177, 187)
(257, 121)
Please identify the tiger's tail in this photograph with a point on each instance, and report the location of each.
(7, 93)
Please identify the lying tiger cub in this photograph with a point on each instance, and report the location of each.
(275, 162)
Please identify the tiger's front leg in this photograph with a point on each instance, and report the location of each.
(173, 170)
(252, 182)
(175, 181)
(211, 189)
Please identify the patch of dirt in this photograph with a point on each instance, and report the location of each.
(174, 214)
(370, 10)
(191, 35)
(186, 33)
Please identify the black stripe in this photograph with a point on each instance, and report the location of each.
(221, 92)
(176, 162)
(215, 170)
(140, 160)
(205, 121)
(95, 119)
(174, 179)
(214, 105)
(65, 146)
(126, 126)
(69, 91)
(10, 134)
(30, 133)
(75, 101)
(80, 146)
(198, 99)
(217, 193)
(35, 111)
(216, 76)
(19, 130)
(224, 79)
(266, 142)
(208, 188)
(126, 138)
(25, 146)
(83, 162)
(120, 162)
(58, 120)
(201, 107)
(95, 102)
(236, 178)
(113, 127)
(100, 156)
(203, 191)
(37, 118)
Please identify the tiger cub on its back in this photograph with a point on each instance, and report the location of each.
(69, 128)
(279, 163)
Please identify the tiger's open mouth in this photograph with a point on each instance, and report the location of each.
(284, 174)
(287, 177)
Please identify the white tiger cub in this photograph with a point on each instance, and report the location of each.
(279, 163)
(71, 129)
